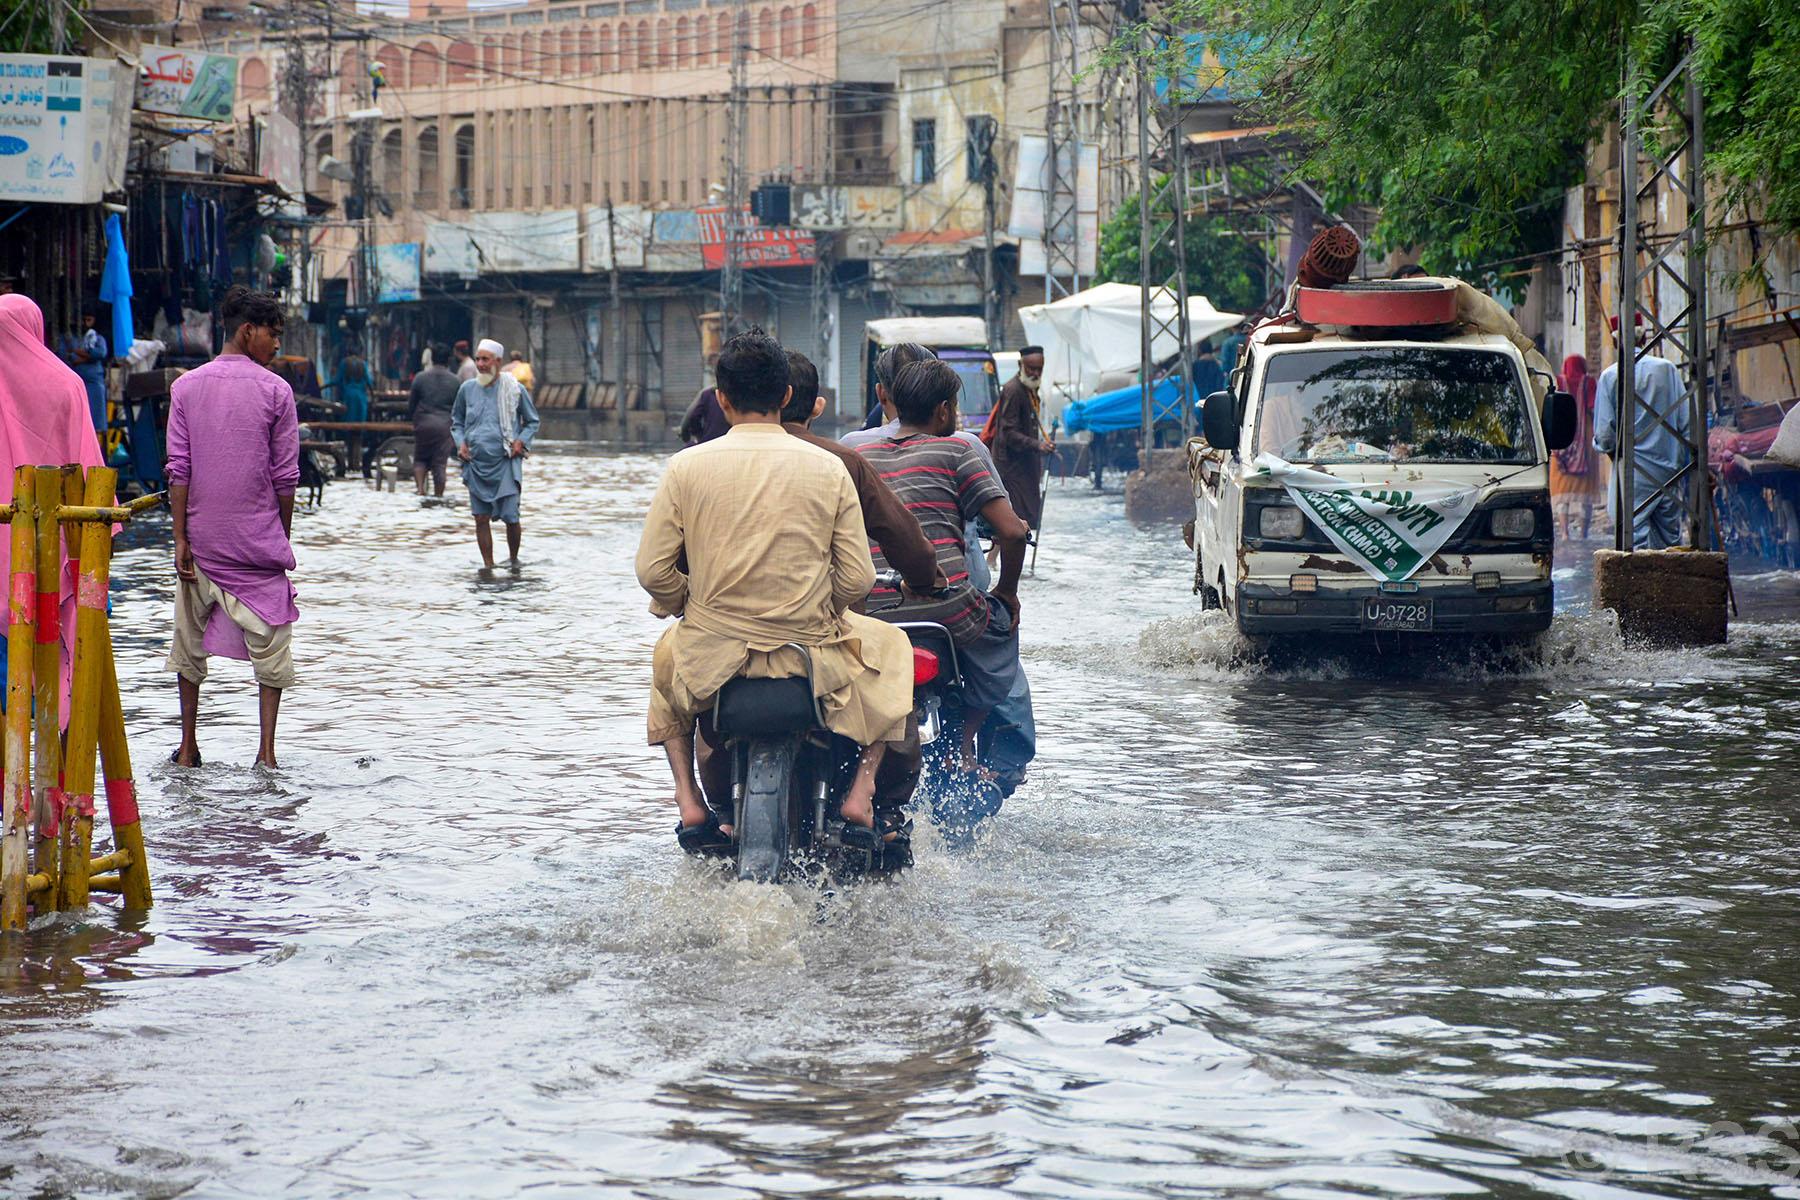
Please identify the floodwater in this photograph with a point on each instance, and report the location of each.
(1301, 933)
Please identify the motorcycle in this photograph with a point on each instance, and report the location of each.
(789, 774)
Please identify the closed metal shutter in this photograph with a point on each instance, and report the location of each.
(502, 321)
(565, 346)
(684, 370)
(854, 313)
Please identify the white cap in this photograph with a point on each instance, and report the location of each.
(492, 347)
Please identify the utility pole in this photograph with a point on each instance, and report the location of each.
(731, 276)
(989, 173)
(615, 310)
(362, 142)
(1062, 154)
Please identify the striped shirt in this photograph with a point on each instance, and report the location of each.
(945, 484)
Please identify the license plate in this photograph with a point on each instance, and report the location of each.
(1410, 613)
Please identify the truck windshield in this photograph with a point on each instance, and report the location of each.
(1394, 404)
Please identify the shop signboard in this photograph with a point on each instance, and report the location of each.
(187, 83)
(762, 246)
(397, 270)
(63, 128)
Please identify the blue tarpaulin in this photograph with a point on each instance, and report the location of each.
(115, 286)
(1109, 412)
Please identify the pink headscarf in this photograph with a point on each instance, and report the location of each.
(44, 421)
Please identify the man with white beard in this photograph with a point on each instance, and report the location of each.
(492, 424)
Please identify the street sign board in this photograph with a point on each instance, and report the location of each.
(63, 128)
(187, 83)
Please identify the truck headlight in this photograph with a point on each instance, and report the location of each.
(1514, 523)
(1282, 523)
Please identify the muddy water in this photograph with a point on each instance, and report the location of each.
(1301, 931)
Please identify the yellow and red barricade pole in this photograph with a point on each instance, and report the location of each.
(51, 504)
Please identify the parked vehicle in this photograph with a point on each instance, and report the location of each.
(959, 341)
(1388, 476)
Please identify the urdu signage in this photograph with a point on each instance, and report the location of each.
(63, 128)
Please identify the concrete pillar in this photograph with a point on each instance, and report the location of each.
(1664, 597)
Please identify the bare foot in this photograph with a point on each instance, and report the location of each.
(268, 761)
(186, 756)
(693, 810)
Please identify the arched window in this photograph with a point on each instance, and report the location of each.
(425, 191)
(765, 31)
(740, 32)
(393, 64)
(809, 29)
(627, 47)
(350, 71)
(604, 59)
(423, 69)
(587, 60)
(790, 34)
(393, 163)
(571, 61)
(462, 177)
(722, 37)
(646, 44)
(515, 56)
(461, 65)
(320, 184)
(664, 50)
(493, 57)
(253, 80)
(684, 42)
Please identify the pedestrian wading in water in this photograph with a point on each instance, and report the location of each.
(233, 464)
(492, 424)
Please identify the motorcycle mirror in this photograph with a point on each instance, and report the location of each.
(1559, 420)
(1219, 421)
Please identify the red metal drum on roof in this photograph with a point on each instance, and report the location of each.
(1379, 304)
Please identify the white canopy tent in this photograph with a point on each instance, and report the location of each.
(1092, 339)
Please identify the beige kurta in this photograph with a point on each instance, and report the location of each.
(776, 553)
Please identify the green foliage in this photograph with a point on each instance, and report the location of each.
(25, 26)
(1221, 266)
(1465, 120)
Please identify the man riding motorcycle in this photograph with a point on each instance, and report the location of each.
(945, 484)
(776, 555)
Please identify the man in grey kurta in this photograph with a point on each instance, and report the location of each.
(492, 424)
(1660, 430)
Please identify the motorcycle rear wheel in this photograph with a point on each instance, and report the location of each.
(763, 832)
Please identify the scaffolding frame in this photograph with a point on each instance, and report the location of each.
(1161, 143)
(1062, 154)
(1645, 167)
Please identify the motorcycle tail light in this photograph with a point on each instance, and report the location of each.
(925, 666)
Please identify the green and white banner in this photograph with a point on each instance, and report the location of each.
(1389, 529)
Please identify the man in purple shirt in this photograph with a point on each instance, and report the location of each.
(233, 464)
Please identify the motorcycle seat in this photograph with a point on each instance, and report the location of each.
(765, 707)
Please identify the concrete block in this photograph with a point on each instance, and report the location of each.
(1160, 489)
(1664, 597)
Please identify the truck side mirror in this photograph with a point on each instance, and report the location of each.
(1559, 420)
(1219, 421)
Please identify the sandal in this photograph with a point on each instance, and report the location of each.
(704, 837)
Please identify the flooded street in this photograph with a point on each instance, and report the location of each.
(1252, 931)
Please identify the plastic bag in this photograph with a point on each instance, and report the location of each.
(1786, 447)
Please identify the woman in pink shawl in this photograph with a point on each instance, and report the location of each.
(1577, 475)
(44, 421)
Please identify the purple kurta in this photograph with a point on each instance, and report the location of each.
(234, 440)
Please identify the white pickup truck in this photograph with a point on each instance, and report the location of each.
(1364, 478)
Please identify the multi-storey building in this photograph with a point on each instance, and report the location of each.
(533, 150)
